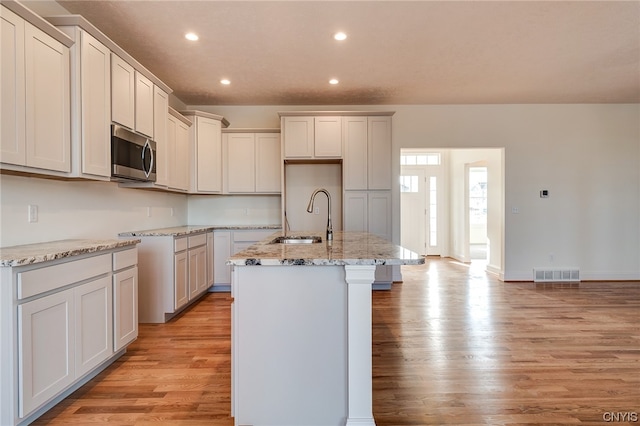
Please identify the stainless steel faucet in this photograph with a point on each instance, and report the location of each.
(310, 210)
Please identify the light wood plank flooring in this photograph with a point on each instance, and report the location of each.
(452, 345)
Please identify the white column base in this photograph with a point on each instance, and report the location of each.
(360, 422)
(360, 381)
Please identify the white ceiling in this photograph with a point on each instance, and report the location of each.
(397, 52)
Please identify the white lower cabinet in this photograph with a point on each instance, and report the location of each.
(94, 324)
(221, 252)
(173, 274)
(181, 279)
(197, 271)
(45, 349)
(227, 243)
(61, 320)
(370, 211)
(125, 298)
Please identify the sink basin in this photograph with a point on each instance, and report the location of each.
(297, 240)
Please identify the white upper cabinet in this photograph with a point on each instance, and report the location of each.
(178, 151)
(144, 105)
(367, 158)
(312, 137)
(160, 120)
(131, 97)
(205, 150)
(297, 134)
(207, 155)
(328, 137)
(354, 131)
(12, 142)
(253, 162)
(36, 104)
(122, 92)
(241, 162)
(90, 105)
(268, 163)
(91, 127)
(379, 152)
(48, 102)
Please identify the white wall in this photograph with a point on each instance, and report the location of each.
(81, 209)
(587, 156)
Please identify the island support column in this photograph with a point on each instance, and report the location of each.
(360, 378)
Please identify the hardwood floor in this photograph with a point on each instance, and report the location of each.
(452, 345)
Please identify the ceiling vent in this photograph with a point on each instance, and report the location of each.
(556, 275)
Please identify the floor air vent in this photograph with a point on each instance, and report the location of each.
(556, 275)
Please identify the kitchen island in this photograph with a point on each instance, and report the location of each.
(301, 329)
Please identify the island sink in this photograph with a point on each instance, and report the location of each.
(296, 240)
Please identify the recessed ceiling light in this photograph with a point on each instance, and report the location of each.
(225, 82)
(333, 81)
(191, 36)
(340, 36)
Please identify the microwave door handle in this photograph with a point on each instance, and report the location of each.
(147, 147)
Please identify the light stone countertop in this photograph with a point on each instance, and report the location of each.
(178, 231)
(29, 254)
(347, 248)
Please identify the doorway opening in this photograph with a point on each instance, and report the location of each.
(452, 204)
(478, 213)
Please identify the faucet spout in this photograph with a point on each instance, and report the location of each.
(310, 210)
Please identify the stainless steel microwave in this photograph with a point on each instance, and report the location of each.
(132, 155)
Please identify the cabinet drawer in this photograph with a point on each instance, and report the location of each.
(125, 259)
(180, 244)
(50, 278)
(254, 235)
(197, 240)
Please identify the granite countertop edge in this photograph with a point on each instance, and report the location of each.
(178, 231)
(29, 254)
(347, 248)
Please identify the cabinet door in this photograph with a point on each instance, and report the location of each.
(268, 163)
(122, 92)
(93, 324)
(125, 308)
(328, 137)
(181, 279)
(181, 168)
(241, 162)
(297, 134)
(45, 349)
(178, 149)
(95, 103)
(208, 152)
(379, 213)
(354, 133)
(356, 216)
(48, 101)
(379, 153)
(221, 252)
(12, 115)
(160, 118)
(197, 271)
(144, 105)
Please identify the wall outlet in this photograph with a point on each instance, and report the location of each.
(148, 211)
(316, 210)
(32, 215)
(515, 210)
